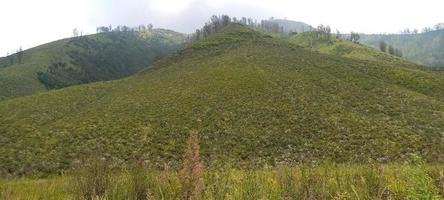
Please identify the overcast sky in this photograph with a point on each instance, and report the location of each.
(28, 23)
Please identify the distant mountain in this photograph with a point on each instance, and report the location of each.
(424, 48)
(85, 59)
(292, 26)
(255, 100)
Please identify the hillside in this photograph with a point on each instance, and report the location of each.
(424, 48)
(85, 59)
(342, 47)
(255, 101)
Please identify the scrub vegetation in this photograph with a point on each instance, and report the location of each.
(237, 114)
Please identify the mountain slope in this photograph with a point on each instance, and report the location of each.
(255, 101)
(91, 58)
(424, 48)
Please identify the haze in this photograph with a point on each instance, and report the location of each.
(28, 23)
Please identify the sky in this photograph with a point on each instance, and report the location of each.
(28, 23)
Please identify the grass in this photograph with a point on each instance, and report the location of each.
(255, 102)
(327, 181)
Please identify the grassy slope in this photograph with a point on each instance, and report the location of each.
(255, 100)
(302, 182)
(425, 48)
(21, 79)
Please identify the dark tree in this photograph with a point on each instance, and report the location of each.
(102, 29)
(19, 55)
(225, 20)
(354, 37)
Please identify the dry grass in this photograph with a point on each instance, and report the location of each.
(192, 169)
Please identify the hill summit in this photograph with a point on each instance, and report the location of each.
(255, 100)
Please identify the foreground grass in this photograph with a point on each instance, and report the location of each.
(302, 182)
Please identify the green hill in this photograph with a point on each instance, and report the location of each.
(85, 59)
(424, 48)
(254, 99)
(341, 47)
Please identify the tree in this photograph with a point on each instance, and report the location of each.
(354, 37)
(405, 31)
(338, 34)
(150, 27)
(19, 55)
(383, 46)
(426, 29)
(102, 29)
(244, 21)
(225, 20)
(250, 22)
(75, 32)
(439, 26)
(197, 34)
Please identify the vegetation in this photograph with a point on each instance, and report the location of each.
(84, 59)
(321, 40)
(192, 169)
(301, 182)
(255, 100)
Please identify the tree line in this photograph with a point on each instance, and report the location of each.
(436, 27)
(140, 28)
(217, 23)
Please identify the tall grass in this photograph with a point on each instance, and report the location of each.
(363, 182)
(92, 180)
(139, 180)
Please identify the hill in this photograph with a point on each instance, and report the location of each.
(424, 48)
(255, 101)
(341, 47)
(72, 61)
